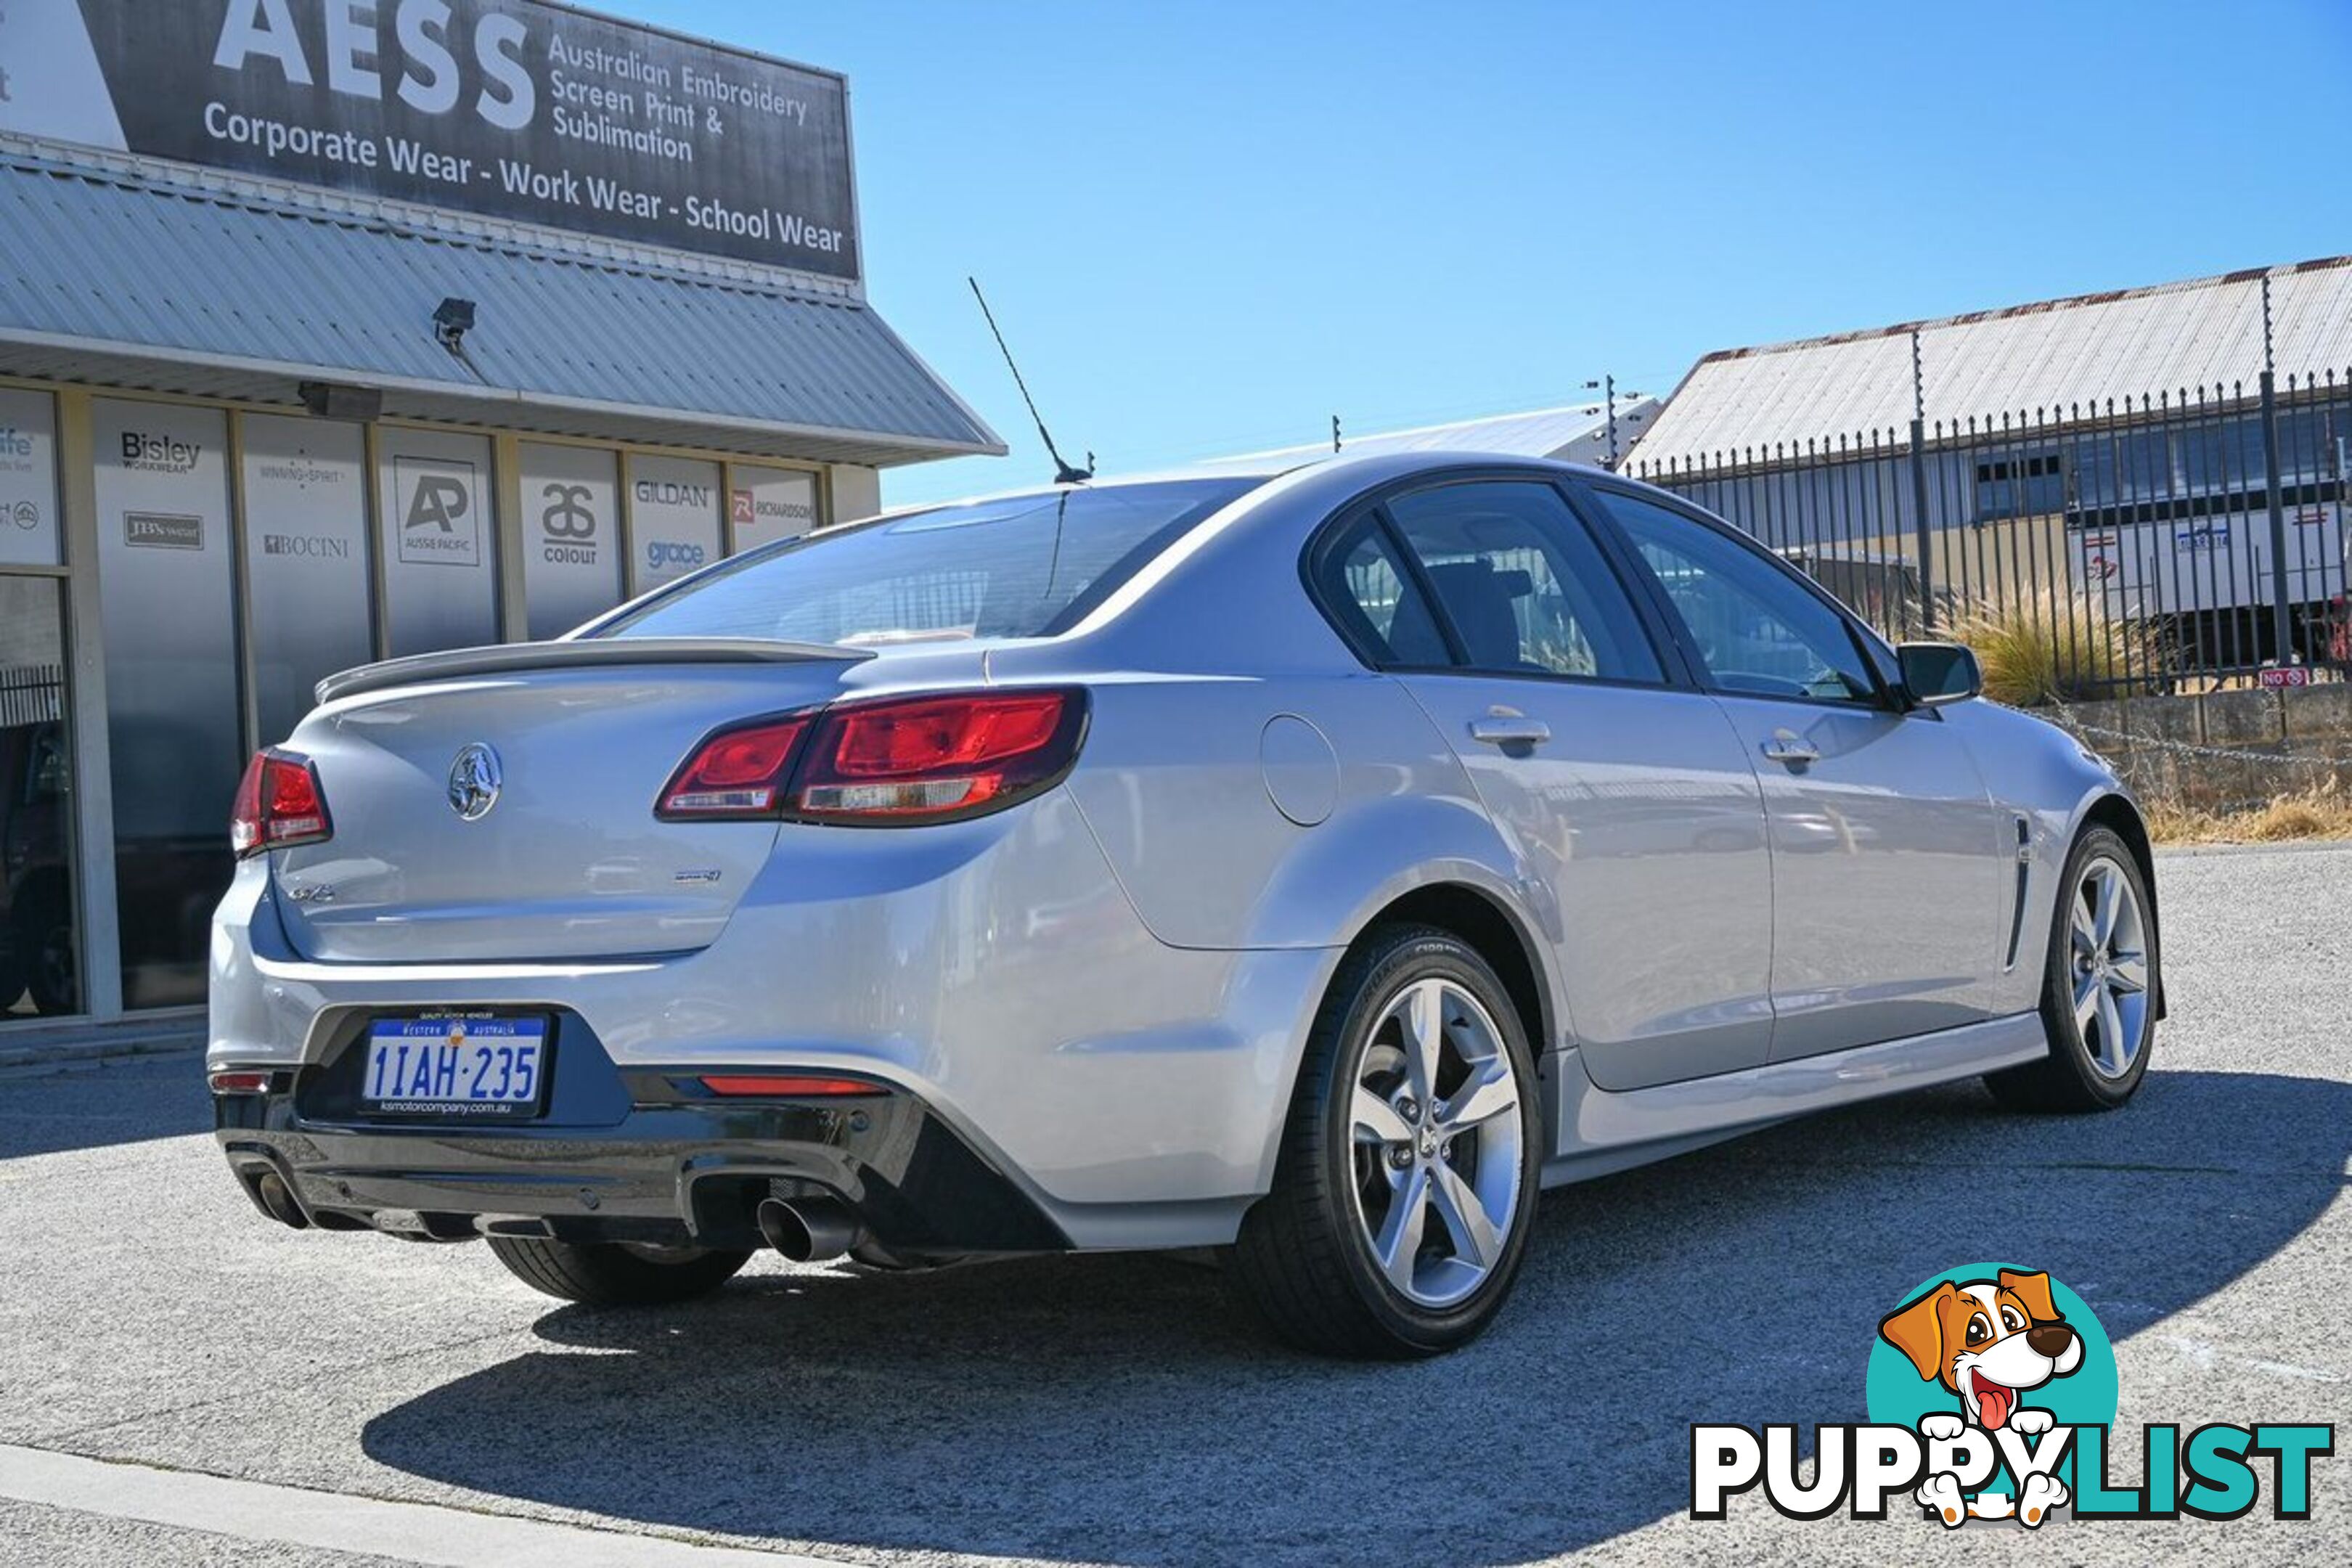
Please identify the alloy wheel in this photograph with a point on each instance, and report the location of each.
(2107, 942)
(1436, 1142)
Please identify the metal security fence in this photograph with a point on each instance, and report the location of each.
(2143, 543)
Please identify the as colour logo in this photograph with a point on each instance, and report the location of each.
(1992, 1390)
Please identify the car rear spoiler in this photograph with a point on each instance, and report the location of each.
(515, 658)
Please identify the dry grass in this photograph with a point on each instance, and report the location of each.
(2048, 649)
(2323, 811)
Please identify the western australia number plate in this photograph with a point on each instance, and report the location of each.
(455, 1066)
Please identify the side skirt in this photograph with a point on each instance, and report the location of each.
(1600, 1130)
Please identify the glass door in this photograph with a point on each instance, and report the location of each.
(40, 961)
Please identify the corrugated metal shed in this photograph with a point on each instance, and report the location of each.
(117, 280)
(1577, 434)
(2135, 343)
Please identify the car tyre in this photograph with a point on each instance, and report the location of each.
(1309, 1255)
(616, 1274)
(2099, 1044)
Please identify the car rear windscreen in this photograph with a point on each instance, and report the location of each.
(1024, 566)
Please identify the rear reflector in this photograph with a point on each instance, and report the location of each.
(278, 806)
(238, 1081)
(933, 759)
(736, 773)
(780, 1086)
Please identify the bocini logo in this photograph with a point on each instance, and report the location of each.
(1992, 1395)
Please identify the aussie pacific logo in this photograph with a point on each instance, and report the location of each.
(1993, 1393)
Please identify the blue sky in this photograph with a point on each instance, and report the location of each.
(1208, 226)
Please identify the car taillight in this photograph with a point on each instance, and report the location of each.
(893, 761)
(933, 759)
(278, 806)
(734, 775)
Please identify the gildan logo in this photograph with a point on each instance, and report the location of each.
(672, 555)
(436, 498)
(159, 454)
(568, 525)
(663, 493)
(1991, 1392)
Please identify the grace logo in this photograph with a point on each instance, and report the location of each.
(1991, 1391)
(672, 555)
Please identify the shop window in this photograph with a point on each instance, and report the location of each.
(306, 559)
(172, 720)
(673, 519)
(767, 505)
(570, 535)
(439, 546)
(29, 479)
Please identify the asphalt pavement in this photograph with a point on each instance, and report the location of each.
(1118, 1410)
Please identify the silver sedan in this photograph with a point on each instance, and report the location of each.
(1310, 866)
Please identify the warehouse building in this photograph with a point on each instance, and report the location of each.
(2108, 452)
(325, 338)
(1591, 433)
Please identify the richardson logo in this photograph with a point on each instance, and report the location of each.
(568, 525)
(747, 507)
(163, 531)
(159, 454)
(1991, 1391)
(672, 555)
(316, 546)
(437, 524)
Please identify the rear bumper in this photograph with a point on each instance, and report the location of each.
(644, 1156)
(996, 975)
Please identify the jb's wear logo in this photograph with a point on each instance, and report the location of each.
(1991, 1392)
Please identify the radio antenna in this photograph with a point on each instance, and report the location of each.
(1063, 473)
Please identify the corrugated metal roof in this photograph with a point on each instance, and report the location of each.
(1579, 433)
(119, 279)
(2136, 343)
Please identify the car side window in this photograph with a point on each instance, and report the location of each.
(1759, 630)
(1523, 583)
(1382, 611)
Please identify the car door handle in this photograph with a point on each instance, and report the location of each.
(1787, 747)
(1510, 732)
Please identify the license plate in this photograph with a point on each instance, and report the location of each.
(455, 1067)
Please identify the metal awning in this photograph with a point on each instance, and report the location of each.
(117, 280)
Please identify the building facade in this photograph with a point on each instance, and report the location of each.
(329, 333)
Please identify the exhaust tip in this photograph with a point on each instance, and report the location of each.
(278, 1200)
(814, 1231)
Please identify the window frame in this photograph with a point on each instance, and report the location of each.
(1876, 659)
(1675, 672)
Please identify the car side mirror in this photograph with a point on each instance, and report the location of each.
(1938, 672)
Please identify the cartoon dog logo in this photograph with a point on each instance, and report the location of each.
(1990, 1341)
